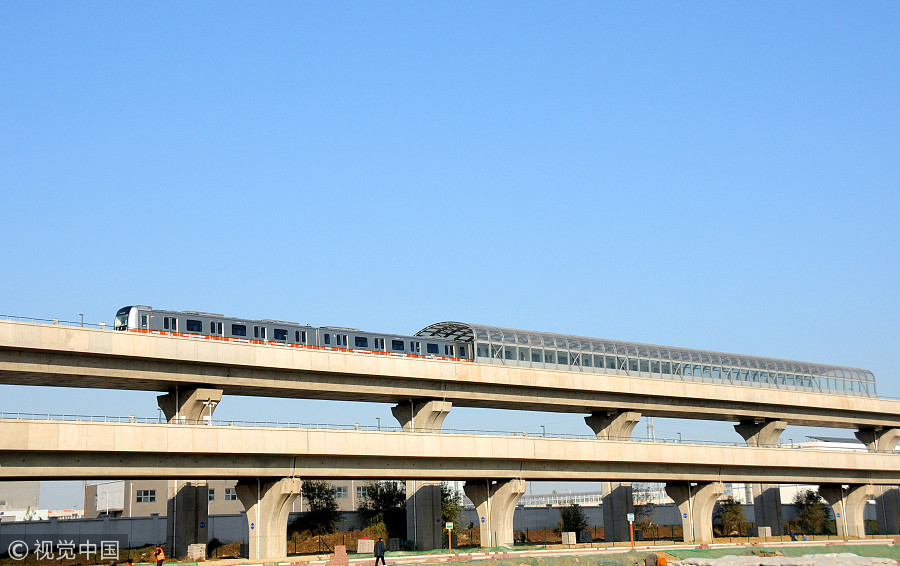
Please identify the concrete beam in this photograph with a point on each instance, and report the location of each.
(618, 502)
(268, 503)
(760, 432)
(421, 416)
(495, 503)
(59, 356)
(695, 505)
(613, 425)
(74, 450)
(192, 405)
(848, 505)
(187, 509)
(878, 439)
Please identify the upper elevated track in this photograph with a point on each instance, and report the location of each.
(61, 356)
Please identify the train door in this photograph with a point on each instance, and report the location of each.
(215, 329)
(144, 321)
(259, 333)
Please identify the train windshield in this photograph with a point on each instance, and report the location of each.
(121, 322)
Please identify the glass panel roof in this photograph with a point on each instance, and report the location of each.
(465, 332)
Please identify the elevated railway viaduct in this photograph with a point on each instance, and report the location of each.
(194, 374)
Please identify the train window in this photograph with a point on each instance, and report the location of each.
(326, 338)
(144, 320)
(536, 355)
(194, 326)
(361, 342)
(432, 348)
(280, 334)
(166, 322)
(397, 345)
(462, 351)
(238, 330)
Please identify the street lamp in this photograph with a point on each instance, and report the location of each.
(543, 430)
(679, 438)
(379, 422)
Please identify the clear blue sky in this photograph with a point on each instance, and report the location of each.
(706, 174)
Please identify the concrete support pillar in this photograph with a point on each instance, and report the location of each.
(887, 498)
(887, 509)
(423, 499)
(187, 516)
(423, 514)
(190, 405)
(495, 503)
(618, 502)
(268, 503)
(848, 504)
(617, 497)
(760, 432)
(695, 505)
(878, 439)
(421, 416)
(767, 508)
(613, 425)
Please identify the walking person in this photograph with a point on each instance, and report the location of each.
(379, 552)
(160, 556)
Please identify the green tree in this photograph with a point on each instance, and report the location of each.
(729, 516)
(451, 507)
(642, 497)
(812, 513)
(323, 515)
(385, 503)
(572, 518)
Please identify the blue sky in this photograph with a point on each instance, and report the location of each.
(711, 175)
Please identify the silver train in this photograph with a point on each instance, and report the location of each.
(213, 326)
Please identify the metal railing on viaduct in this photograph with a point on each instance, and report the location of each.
(193, 376)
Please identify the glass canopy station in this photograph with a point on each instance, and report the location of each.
(505, 346)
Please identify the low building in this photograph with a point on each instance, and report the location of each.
(141, 498)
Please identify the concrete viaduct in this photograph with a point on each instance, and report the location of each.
(194, 374)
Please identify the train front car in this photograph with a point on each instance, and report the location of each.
(126, 318)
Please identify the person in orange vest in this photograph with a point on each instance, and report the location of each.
(160, 556)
